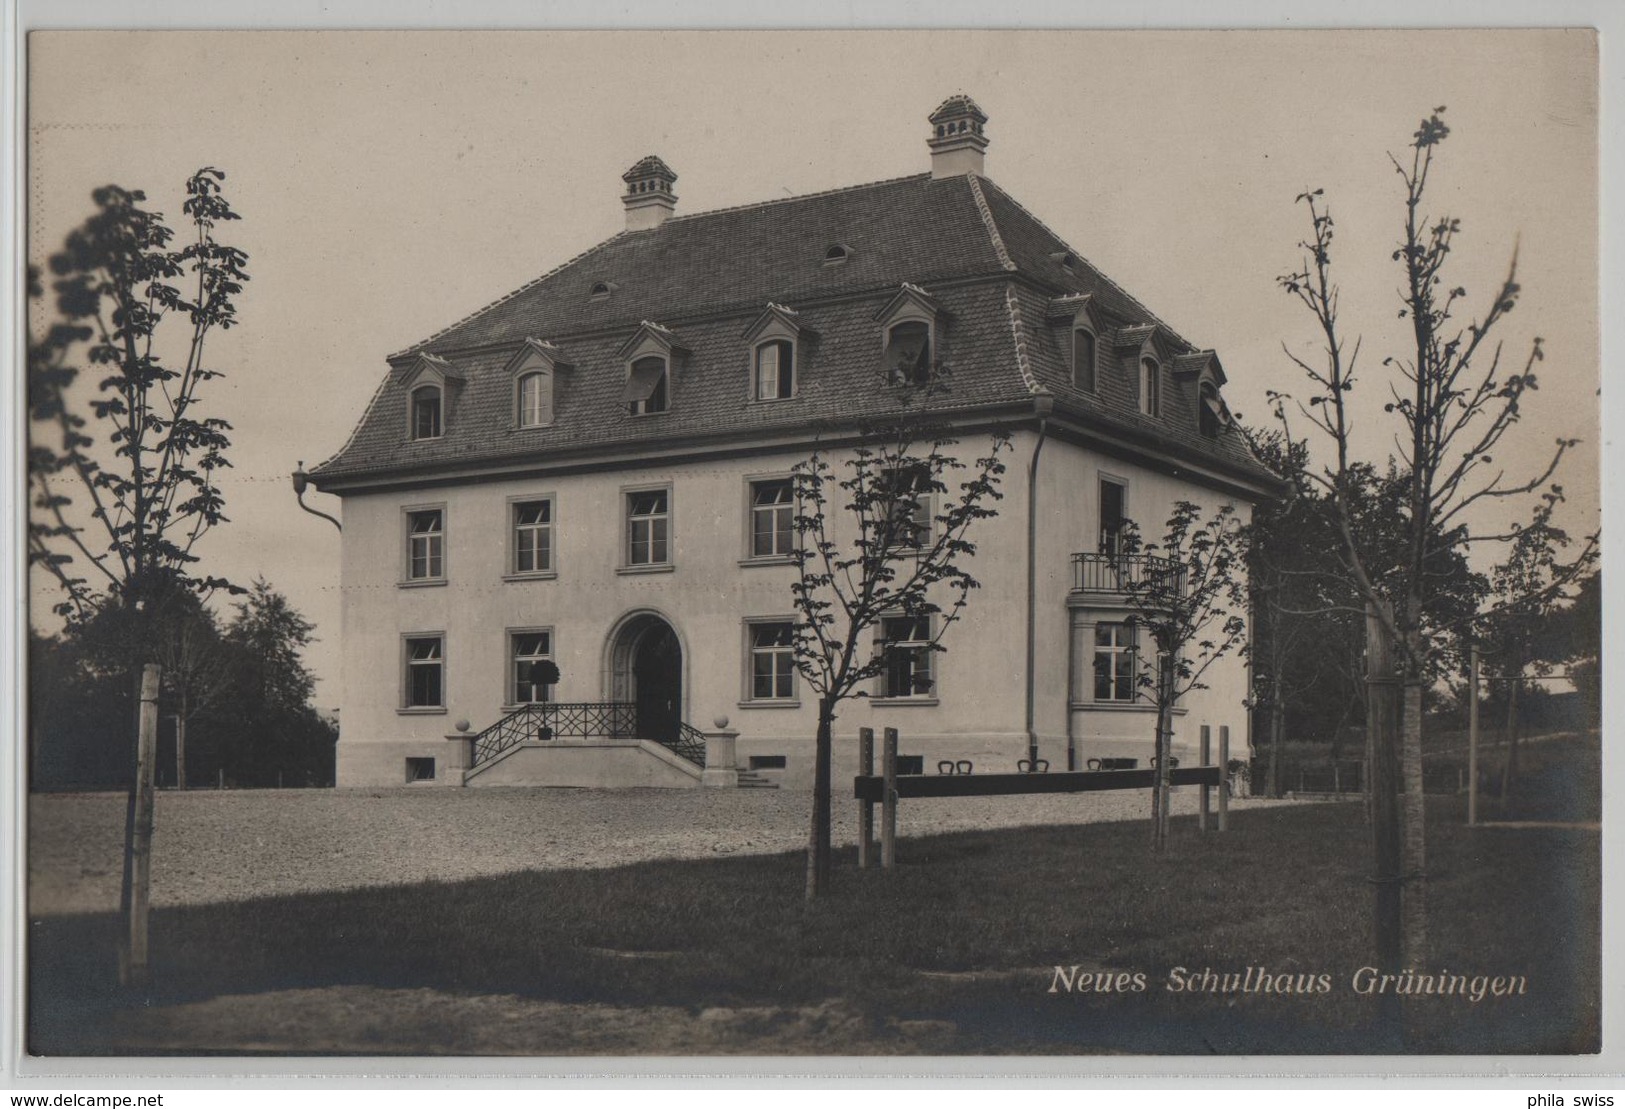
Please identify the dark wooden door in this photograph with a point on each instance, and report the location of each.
(657, 672)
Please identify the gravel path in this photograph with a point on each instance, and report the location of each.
(210, 846)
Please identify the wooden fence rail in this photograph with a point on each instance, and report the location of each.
(888, 787)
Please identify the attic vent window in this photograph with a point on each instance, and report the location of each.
(836, 254)
(601, 290)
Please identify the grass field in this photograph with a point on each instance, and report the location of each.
(953, 952)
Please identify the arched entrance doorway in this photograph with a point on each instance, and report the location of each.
(646, 670)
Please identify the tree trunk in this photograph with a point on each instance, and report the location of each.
(1413, 901)
(1382, 745)
(818, 839)
(1277, 734)
(1159, 793)
(180, 743)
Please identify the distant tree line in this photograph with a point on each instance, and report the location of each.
(1530, 615)
(235, 705)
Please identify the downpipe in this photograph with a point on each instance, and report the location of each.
(1043, 407)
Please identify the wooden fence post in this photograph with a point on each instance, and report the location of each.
(888, 807)
(1207, 759)
(1224, 777)
(133, 969)
(1472, 739)
(866, 809)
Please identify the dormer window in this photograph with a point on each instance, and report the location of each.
(533, 370)
(650, 356)
(908, 353)
(836, 254)
(774, 342)
(601, 290)
(647, 391)
(431, 385)
(1211, 416)
(1083, 360)
(426, 412)
(536, 399)
(909, 336)
(775, 377)
(1150, 387)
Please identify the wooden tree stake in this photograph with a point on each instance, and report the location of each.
(133, 969)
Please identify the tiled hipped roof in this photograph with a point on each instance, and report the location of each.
(989, 265)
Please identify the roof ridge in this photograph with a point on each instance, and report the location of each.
(506, 297)
(1018, 332)
(1100, 275)
(987, 221)
(793, 199)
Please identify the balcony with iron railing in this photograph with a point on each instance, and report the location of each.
(1120, 574)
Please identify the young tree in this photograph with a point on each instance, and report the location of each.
(1304, 644)
(143, 462)
(1188, 591)
(1454, 400)
(882, 539)
(1530, 587)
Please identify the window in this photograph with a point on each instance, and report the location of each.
(1112, 504)
(425, 545)
(905, 506)
(525, 651)
(1150, 387)
(772, 518)
(419, 770)
(1083, 361)
(836, 254)
(426, 412)
(1114, 662)
(535, 400)
(772, 661)
(424, 673)
(533, 536)
(908, 353)
(906, 648)
(648, 524)
(1210, 415)
(646, 388)
(775, 370)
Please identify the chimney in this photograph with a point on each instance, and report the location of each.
(957, 140)
(649, 200)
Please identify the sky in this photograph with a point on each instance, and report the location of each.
(390, 183)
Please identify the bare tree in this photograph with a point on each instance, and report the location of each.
(881, 550)
(1188, 591)
(1455, 396)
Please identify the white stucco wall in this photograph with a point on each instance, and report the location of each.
(706, 596)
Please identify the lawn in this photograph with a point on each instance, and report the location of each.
(955, 951)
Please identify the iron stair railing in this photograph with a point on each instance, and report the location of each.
(689, 743)
(578, 720)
